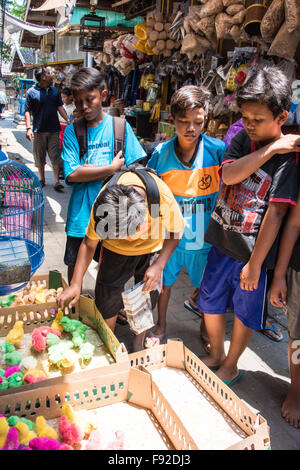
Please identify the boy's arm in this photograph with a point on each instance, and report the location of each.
(154, 272)
(86, 173)
(29, 132)
(268, 231)
(63, 114)
(84, 258)
(238, 170)
(289, 237)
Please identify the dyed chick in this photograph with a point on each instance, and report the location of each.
(43, 429)
(16, 334)
(24, 433)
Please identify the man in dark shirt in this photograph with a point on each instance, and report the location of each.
(43, 101)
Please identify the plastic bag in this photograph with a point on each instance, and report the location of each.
(138, 308)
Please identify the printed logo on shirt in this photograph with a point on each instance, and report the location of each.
(205, 182)
(240, 207)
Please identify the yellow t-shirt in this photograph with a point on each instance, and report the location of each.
(152, 237)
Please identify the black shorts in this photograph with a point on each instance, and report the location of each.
(115, 270)
(72, 248)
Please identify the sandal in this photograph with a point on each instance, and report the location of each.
(122, 317)
(273, 328)
(58, 187)
(153, 340)
(187, 304)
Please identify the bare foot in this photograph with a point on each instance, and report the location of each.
(210, 361)
(157, 330)
(225, 373)
(290, 409)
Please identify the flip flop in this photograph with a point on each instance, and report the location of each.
(191, 308)
(274, 329)
(59, 187)
(229, 383)
(154, 340)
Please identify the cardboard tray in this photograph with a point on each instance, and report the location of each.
(35, 316)
(39, 277)
(97, 388)
(175, 354)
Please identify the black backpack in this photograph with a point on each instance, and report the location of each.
(80, 128)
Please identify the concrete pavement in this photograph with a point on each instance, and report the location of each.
(265, 363)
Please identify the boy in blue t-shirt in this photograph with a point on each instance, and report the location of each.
(189, 165)
(88, 173)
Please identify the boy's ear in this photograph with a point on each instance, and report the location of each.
(104, 94)
(282, 117)
(171, 119)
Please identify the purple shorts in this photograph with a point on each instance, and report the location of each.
(220, 291)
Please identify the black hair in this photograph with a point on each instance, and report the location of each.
(119, 211)
(189, 97)
(39, 72)
(269, 86)
(66, 91)
(88, 78)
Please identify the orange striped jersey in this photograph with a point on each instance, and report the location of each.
(195, 188)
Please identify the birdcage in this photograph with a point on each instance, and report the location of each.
(92, 33)
(21, 224)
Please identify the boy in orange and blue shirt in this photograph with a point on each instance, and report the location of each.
(189, 165)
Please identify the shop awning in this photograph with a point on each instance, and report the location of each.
(50, 4)
(13, 25)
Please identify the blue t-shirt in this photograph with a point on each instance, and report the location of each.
(100, 153)
(42, 103)
(195, 188)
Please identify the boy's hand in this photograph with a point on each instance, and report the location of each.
(118, 161)
(249, 276)
(286, 144)
(152, 277)
(71, 293)
(278, 292)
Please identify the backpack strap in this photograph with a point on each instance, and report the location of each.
(119, 125)
(152, 191)
(80, 128)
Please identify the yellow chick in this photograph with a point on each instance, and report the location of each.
(56, 325)
(16, 334)
(40, 298)
(43, 430)
(68, 412)
(4, 427)
(24, 433)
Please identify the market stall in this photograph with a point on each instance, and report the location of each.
(215, 43)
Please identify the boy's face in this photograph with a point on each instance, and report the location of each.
(89, 103)
(189, 126)
(66, 99)
(260, 123)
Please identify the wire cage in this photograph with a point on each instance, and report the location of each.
(92, 33)
(21, 225)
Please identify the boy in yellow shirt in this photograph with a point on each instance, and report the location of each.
(130, 236)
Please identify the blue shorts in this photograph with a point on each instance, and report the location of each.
(220, 290)
(194, 262)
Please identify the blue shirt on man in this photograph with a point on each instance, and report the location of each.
(42, 103)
